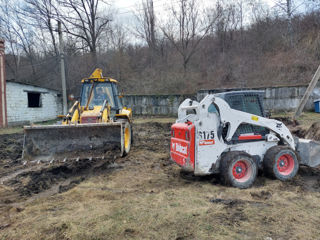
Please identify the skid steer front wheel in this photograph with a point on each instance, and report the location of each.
(280, 162)
(127, 136)
(238, 169)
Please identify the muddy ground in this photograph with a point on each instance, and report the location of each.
(145, 196)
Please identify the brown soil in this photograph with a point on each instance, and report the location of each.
(10, 149)
(313, 132)
(309, 132)
(146, 196)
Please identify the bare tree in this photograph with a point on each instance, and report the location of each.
(192, 28)
(83, 20)
(19, 34)
(259, 10)
(230, 19)
(287, 7)
(44, 13)
(119, 40)
(147, 22)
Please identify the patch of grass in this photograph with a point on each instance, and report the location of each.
(154, 119)
(11, 130)
(49, 122)
(305, 119)
(177, 210)
(19, 128)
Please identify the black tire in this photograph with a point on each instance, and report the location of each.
(238, 169)
(126, 142)
(281, 162)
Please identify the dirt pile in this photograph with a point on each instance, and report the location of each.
(11, 146)
(313, 132)
(288, 121)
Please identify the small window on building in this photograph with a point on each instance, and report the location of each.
(34, 100)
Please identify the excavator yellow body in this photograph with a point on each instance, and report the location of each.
(96, 125)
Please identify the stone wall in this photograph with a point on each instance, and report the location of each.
(277, 98)
(288, 98)
(154, 104)
(17, 104)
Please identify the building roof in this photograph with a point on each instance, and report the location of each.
(29, 84)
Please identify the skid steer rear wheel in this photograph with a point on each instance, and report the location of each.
(238, 169)
(281, 162)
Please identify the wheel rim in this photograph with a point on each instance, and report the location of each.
(126, 137)
(285, 164)
(242, 170)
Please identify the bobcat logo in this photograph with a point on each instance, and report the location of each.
(179, 148)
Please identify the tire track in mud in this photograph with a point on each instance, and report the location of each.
(49, 179)
(26, 183)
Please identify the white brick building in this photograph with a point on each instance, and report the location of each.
(28, 103)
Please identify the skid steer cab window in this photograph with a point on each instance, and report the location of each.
(212, 109)
(246, 103)
(96, 93)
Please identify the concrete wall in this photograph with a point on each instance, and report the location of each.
(277, 98)
(17, 104)
(154, 104)
(288, 98)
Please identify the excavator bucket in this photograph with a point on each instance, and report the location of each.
(309, 151)
(61, 142)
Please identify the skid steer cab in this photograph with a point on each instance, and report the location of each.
(228, 133)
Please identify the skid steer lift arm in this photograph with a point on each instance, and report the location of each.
(234, 118)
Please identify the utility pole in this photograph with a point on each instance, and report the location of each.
(63, 72)
(307, 94)
(3, 101)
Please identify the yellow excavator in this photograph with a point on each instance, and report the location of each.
(95, 126)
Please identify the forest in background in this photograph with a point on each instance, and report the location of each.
(183, 48)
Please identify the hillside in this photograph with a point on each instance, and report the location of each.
(255, 56)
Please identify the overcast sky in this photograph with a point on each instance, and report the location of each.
(127, 5)
(125, 8)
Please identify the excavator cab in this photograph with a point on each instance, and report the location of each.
(100, 91)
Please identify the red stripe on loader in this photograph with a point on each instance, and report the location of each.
(250, 137)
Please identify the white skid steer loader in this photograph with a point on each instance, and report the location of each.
(228, 133)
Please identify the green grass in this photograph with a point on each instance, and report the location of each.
(19, 128)
(305, 119)
(11, 130)
(49, 122)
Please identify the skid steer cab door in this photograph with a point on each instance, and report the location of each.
(182, 147)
